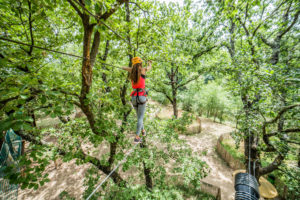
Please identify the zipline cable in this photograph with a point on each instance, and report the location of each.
(55, 51)
(30, 45)
(124, 159)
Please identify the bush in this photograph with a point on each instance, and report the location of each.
(211, 100)
(159, 98)
(235, 153)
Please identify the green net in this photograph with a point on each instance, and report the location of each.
(10, 151)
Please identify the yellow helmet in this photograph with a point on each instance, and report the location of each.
(136, 60)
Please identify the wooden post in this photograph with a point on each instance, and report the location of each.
(218, 197)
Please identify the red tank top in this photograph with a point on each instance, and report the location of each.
(139, 84)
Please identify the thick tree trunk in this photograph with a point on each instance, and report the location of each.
(87, 74)
(250, 143)
(253, 166)
(147, 171)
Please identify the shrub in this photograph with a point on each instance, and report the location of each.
(211, 100)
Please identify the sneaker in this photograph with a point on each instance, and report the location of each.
(137, 140)
(144, 133)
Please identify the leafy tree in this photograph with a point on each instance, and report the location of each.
(263, 71)
(35, 83)
(190, 36)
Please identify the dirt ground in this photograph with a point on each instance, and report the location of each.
(70, 177)
(205, 144)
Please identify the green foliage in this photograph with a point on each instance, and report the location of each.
(91, 179)
(235, 42)
(210, 100)
(65, 196)
(166, 192)
(159, 98)
(290, 177)
(234, 152)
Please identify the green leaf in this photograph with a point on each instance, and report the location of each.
(23, 96)
(87, 2)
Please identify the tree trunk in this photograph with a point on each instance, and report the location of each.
(255, 164)
(87, 74)
(174, 102)
(147, 171)
(175, 110)
(32, 115)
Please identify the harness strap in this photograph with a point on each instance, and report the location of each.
(136, 91)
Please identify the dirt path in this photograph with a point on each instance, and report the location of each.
(204, 144)
(64, 179)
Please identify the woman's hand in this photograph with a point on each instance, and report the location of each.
(149, 65)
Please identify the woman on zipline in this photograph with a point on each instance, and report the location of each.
(138, 95)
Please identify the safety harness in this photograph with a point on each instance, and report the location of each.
(136, 91)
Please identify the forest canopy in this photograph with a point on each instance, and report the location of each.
(236, 61)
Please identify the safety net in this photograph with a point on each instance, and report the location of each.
(10, 151)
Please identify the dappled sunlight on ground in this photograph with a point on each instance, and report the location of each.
(204, 144)
(69, 177)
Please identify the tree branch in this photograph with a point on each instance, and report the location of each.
(30, 29)
(5, 101)
(290, 26)
(95, 47)
(270, 44)
(188, 81)
(78, 155)
(266, 136)
(76, 8)
(112, 10)
(198, 55)
(281, 112)
(162, 92)
(273, 166)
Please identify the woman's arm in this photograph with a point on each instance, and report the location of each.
(149, 65)
(127, 69)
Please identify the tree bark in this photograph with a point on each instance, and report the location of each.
(174, 91)
(147, 170)
(175, 109)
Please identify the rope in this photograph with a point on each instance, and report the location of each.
(59, 52)
(254, 167)
(124, 159)
(30, 45)
(249, 158)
